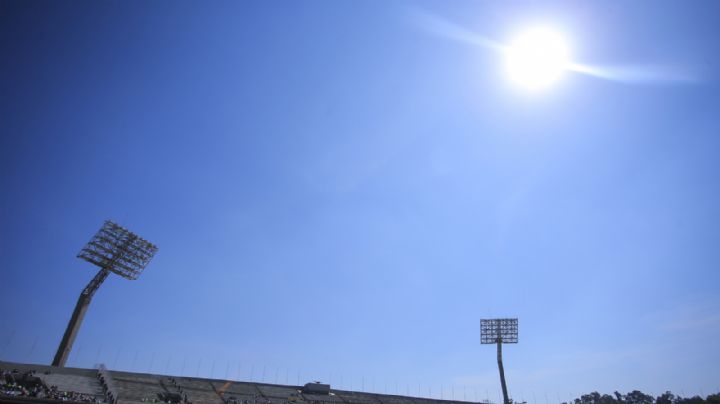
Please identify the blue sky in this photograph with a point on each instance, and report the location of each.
(340, 194)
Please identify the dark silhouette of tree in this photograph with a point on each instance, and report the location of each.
(638, 397)
(666, 398)
(596, 398)
(713, 399)
(692, 400)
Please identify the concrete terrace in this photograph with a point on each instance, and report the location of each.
(142, 387)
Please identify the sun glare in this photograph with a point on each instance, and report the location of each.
(537, 58)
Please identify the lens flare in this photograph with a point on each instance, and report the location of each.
(537, 58)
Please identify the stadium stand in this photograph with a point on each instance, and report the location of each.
(244, 393)
(198, 391)
(23, 383)
(280, 393)
(387, 399)
(134, 390)
(80, 383)
(359, 398)
(30, 383)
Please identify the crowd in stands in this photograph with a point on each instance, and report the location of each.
(257, 399)
(25, 384)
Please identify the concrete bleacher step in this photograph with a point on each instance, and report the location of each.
(350, 397)
(277, 391)
(235, 392)
(132, 390)
(199, 391)
(237, 388)
(70, 382)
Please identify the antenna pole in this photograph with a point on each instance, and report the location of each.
(73, 326)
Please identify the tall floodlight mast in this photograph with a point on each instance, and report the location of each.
(113, 249)
(497, 331)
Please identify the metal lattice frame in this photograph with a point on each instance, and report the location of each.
(118, 250)
(495, 330)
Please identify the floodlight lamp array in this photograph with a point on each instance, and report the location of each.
(495, 330)
(118, 250)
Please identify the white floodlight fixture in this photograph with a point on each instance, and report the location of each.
(499, 330)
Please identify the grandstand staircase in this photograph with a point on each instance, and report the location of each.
(108, 385)
(169, 385)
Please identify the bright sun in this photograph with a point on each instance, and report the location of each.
(537, 58)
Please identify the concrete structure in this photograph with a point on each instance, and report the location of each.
(143, 388)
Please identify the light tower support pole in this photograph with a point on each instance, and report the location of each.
(73, 327)
(502, 371)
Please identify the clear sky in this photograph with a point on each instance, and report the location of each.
(340, 193)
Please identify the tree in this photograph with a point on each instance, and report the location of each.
(713, 399)
(693, 400)
(638, 397)
(596, 398)
(666, 398)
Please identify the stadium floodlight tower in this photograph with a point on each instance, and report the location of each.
(113, 249)
(497, 331)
